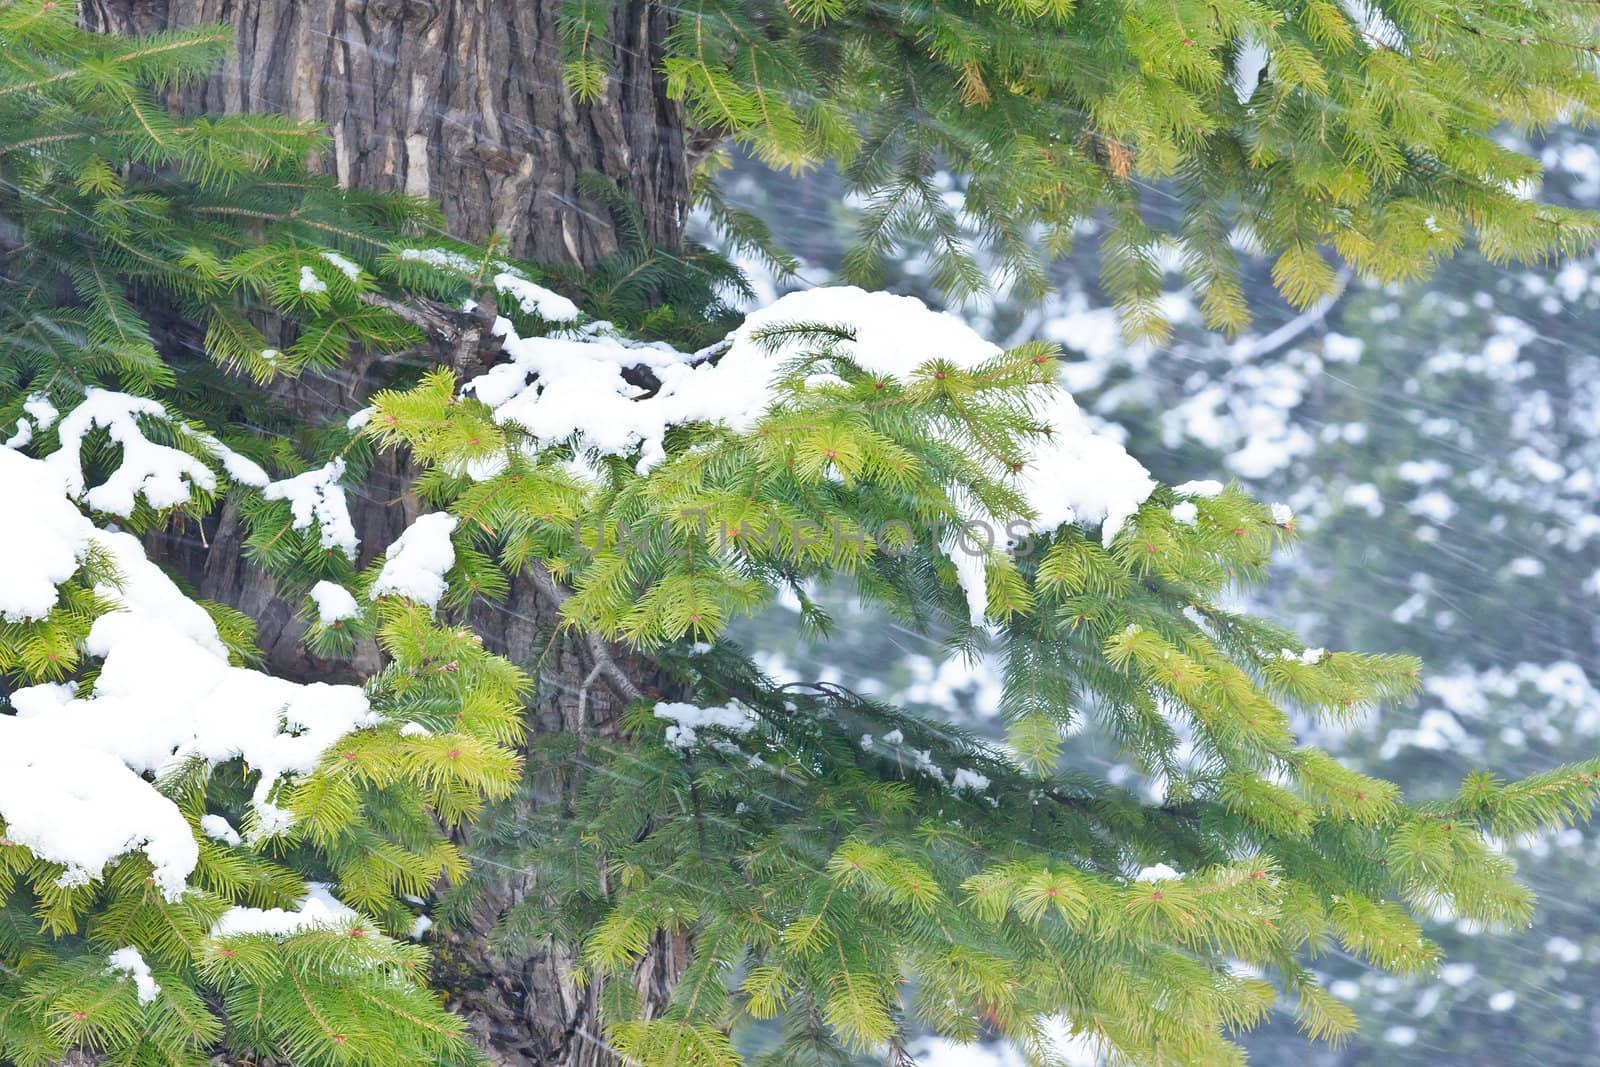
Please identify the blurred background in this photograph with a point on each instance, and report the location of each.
(1440, 444)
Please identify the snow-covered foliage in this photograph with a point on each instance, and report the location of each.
(415, 565)
(535, 299)
(530, 297)
(560, 388)
(762, 827)
(584, 388)
(72, 764)
(1438, 441)
(320, 909)
(317, 498)
(166, 691)
(164, 476)
(334, 603)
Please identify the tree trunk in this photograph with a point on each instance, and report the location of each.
(461, 101)
(458, 100)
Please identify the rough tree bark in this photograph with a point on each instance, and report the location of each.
(458, 100)
(461, 101)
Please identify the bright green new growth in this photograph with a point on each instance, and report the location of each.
(1370, 129)
(111, 204)
(370, 820)
(815, 875)
(839, 881)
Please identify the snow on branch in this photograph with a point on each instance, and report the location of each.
(164, 476)
(317, 497)
(167, 476)
(612, 395)
(416, 562)
(319, 910)
(75, 768)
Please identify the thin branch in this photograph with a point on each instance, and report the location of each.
(429, 316)
(604, 663)
(1286, 334)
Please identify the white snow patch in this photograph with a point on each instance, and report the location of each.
(39, 408)
(319, 910)
(1341, 348)
(1433, 506)
(688, 719)
(334, 603)
(440, 258)
(971, 560)
(164, 476)
(1421, 472)
(1401, 1035)
(310, 283)
(219, 829)
(316, 496)
(240, 468)
(1364, 496)
(971, 781)
(1564, 950)
(43, 537)
(1159, 873)
(42, 414)
(346, 267)
(415, 564)
(128, 961)
(536, 299)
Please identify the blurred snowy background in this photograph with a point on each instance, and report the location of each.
(1440, 443)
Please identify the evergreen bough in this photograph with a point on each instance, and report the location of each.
(1285, 127)
(823, 861)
